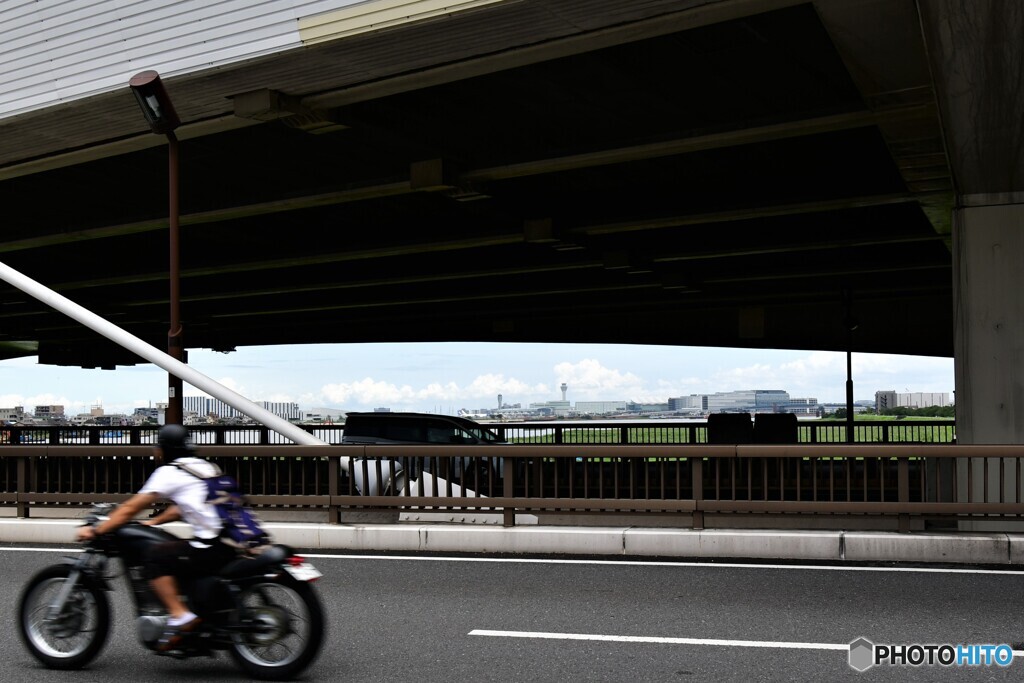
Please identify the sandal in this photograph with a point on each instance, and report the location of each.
(174, 635)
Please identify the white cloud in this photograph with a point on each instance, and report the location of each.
(367, 391)
(11, 400)
(591, 379)
(370, 391)
(904, 373)
(490, 385)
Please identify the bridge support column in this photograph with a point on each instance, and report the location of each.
(988, 267)
(988, 296)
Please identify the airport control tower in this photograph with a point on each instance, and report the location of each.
(564, 388)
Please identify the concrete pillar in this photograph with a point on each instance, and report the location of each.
(988, 296)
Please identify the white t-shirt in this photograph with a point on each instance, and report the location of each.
(188, 493)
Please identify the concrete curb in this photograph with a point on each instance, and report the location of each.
(854, 546)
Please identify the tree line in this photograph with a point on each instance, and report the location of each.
(929, 411)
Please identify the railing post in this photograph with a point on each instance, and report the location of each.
(23, 473)
(697, 476)
(903, 486)
(333, 488)
(507, 468)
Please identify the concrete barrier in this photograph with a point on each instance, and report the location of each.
(850, 546)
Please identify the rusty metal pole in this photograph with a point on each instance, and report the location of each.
(158, 109)
(175, 343)
(849, 390)
(851, 324)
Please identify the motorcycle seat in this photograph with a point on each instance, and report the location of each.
(252, 564)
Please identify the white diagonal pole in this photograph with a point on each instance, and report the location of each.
(158, 357)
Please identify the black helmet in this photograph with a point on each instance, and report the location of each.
(175, 441)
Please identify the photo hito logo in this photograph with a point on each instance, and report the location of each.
(865, 654)
(862, 654)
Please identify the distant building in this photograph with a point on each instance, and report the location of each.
(694, 403)
(887, 400)
(15, 414)
(802, 406)
(324, 416)
(52, 413)
(147, 414)
(204, 406)
(285, 410)
(746, 401)
(634, 407)
(749, 401)
(552, 407)
(600, 407)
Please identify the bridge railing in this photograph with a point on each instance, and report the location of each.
(663, 432)
(569, 432)
(911, 486)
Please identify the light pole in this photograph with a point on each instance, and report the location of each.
(162, 119)
(851, 324)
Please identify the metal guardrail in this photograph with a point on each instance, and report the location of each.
(872, 486)
(664, 432)
(568, 432)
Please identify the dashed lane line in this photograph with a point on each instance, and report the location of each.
(772, 644)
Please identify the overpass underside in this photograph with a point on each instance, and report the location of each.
(748, 173)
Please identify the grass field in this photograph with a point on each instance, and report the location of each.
(867, 429)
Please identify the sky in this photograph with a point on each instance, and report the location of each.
(446, 377)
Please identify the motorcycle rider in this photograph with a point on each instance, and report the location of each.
(199, 556)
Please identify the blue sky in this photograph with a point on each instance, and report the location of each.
(444, 377)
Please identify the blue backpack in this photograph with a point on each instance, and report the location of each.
(239, 525)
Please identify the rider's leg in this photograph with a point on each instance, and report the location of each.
(164, 562)
(166, 588)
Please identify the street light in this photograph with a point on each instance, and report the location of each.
(156, 106)
(851, 324)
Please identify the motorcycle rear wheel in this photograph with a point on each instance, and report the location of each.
(287, 629)
(77, 635)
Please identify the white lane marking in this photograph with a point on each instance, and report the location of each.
(654, 563)
(661, 640)
(624, 563)
(720, 642)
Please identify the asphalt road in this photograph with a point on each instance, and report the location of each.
(445, 620)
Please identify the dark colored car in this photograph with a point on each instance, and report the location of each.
(421, 428)
(415, 428)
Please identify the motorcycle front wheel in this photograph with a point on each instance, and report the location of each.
(68, 640)
(281, 629)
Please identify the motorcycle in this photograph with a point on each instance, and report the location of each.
(261, 608)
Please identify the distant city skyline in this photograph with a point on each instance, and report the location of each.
(447, 377)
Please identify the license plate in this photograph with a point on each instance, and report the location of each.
(303, 572)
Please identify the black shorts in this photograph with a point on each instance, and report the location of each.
(185, 561)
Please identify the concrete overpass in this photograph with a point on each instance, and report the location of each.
(760, 173)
